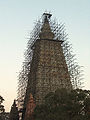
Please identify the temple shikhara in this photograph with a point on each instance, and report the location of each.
(49, 64)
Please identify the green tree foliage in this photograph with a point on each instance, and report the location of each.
(63, 105)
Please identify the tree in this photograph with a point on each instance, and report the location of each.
(64, 105)
(2, 110)
(14, 114)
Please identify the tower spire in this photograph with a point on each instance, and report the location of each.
(46, 32)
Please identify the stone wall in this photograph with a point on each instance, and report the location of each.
(48, 69)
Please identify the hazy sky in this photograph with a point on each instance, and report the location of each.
(17, 19)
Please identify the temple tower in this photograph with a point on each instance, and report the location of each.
(49, 64)
(48, 70)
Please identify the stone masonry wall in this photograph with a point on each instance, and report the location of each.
(51, 72)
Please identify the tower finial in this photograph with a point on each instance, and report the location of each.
(46, 32)
(48, 15)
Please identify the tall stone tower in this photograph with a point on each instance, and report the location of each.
(48, 70)
(49, 65)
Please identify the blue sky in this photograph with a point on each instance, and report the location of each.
(17, 19)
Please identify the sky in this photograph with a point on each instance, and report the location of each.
(17, 19)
